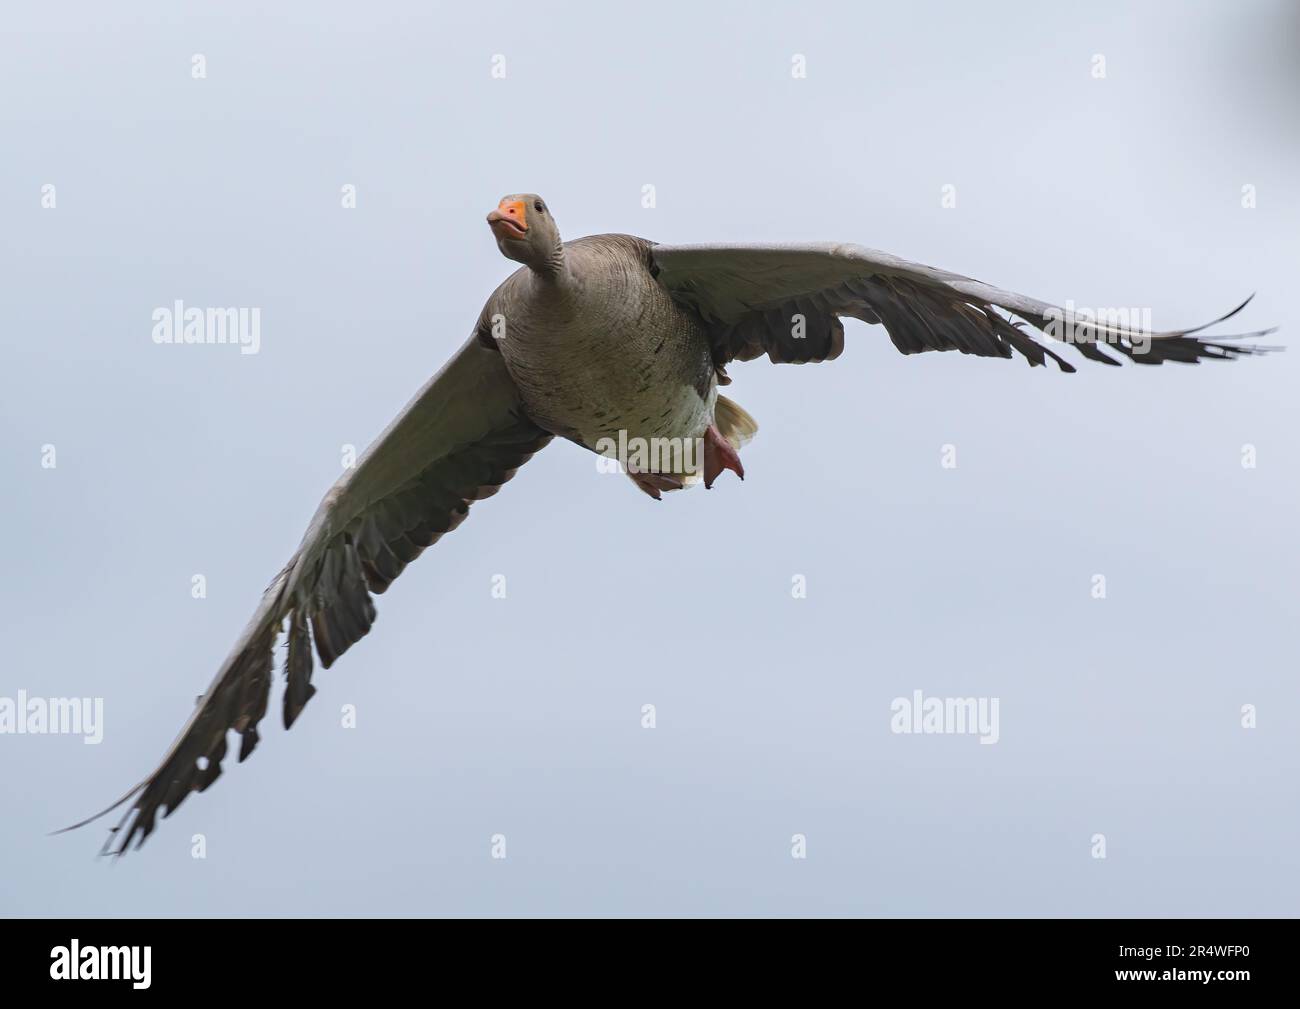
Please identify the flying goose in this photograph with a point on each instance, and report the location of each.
(593, 340)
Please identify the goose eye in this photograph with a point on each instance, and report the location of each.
(537, 205)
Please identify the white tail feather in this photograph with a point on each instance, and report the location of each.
(735, 424)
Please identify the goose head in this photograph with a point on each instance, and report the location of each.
(526, 232)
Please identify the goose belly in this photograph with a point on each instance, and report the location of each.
(634, 375)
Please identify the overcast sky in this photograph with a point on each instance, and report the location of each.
(1161, 176)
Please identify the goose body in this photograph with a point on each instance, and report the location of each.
(599, 349)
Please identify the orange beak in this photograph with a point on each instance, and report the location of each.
(509, 220)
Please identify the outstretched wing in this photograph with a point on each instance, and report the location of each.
(461, 437)
(786, 301)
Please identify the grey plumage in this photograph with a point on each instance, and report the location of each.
(749, 293)
(603, 348)
(588, 339)
(461, 437)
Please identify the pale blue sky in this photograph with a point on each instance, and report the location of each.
(521, 716)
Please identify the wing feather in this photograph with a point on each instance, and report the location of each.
(786, 301)
(458, 440)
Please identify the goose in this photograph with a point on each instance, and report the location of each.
(605, 341)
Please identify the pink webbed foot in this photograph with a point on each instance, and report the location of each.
(719, 455)
(654, 483)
